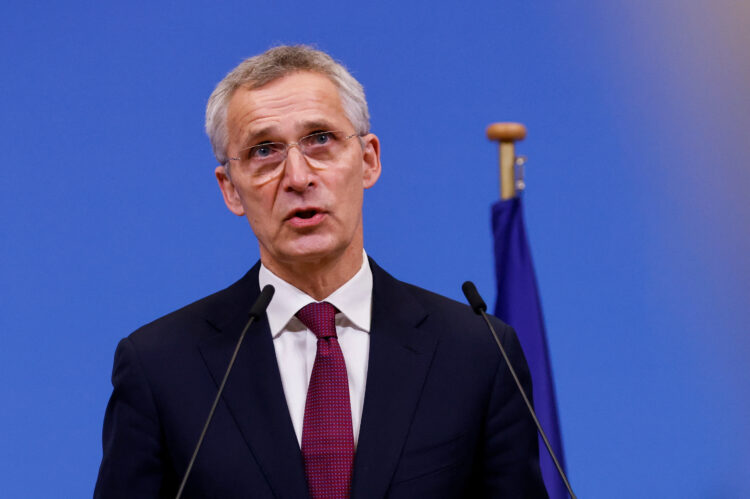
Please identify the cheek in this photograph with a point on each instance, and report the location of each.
(352, 195)
(258, 205)
(259, 197)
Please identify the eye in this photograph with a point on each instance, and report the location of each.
(322, 137)
(262, 151)
(318, 139)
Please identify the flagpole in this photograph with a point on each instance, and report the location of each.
(507, 134)
(518, 300)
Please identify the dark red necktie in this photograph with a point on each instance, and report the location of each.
(327, 436)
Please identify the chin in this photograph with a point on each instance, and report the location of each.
(311, 251)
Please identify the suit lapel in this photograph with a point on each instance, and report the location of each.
(253, 394)
(400, 357)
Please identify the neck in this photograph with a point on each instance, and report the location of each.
(319, 277)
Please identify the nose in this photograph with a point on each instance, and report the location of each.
(298, 175)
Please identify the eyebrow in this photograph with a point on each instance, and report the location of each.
(312, 125)
(309, 126)
(249, 138)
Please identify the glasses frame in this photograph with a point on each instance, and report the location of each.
(289, 145)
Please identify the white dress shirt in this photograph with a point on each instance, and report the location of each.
(296, 346)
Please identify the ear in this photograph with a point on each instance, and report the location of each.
(228, 190)
(370, 160)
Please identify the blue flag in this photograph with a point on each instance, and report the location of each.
(518, 304)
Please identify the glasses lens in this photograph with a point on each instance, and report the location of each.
(263, 162)
(322, 146)
(265, 153)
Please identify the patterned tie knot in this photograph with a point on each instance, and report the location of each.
(320, 318)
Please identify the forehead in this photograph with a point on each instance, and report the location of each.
(290, 105)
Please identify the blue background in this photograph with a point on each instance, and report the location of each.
(638, 116)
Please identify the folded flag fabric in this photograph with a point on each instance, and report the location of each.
(518, 305)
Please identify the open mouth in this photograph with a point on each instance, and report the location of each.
(306, 217)
(305, 214)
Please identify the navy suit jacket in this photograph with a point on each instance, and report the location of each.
(441, 418)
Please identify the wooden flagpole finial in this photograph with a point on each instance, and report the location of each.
(507, 134)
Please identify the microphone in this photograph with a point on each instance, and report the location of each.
(256, 312)
(261, 303)
(475, 301)
(479, 307)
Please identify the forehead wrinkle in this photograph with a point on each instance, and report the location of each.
(252, 135)
(310, 125)
(267, 108)
(303, 127)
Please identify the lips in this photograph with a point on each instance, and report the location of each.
(305, 217)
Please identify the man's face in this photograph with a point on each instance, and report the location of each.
(305, 214)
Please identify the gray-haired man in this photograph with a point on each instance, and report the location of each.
(416, 401)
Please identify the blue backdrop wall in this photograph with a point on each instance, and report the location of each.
(638, 116)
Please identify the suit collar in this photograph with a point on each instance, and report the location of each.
(400, 358)
(233, 303)
(253, 394)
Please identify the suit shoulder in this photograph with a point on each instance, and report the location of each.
(205, 314)
(436, 307)
(448, 308)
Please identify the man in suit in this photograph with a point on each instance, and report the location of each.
(353, 383)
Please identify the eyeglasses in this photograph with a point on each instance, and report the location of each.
(262, 162)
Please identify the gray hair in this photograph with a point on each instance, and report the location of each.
(271, 65)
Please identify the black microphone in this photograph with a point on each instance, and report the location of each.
(479, 307)
(261, 304)
(475, 301)
(256, 312)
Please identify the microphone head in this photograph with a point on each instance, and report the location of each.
(260, 305)
(472, 296)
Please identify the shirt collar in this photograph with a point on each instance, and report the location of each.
(353, 299)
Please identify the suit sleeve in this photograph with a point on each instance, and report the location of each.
(133, 462)
(511, 452)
